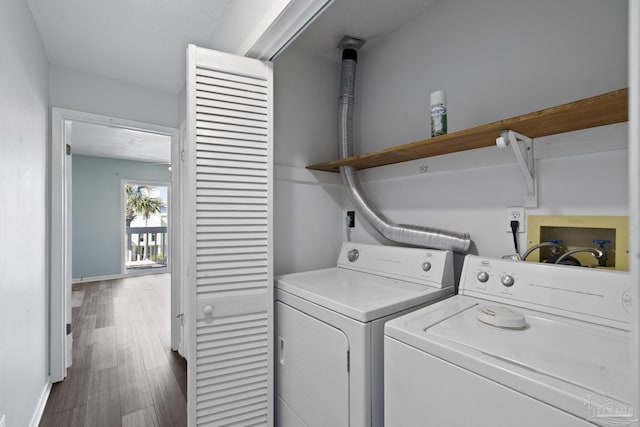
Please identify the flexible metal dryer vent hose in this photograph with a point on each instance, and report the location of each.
(408, 234)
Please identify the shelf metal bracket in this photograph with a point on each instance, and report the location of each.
(523, 149)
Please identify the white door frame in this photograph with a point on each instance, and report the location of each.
(634, 191)
(60, 271)
(60, 254)
(178, 265)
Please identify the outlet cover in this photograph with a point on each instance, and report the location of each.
(517, 214)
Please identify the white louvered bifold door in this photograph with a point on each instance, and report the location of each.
(228, 159)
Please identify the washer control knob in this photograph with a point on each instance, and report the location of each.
(507, 280)
(426, 266)
(353, 255)
(482, 276)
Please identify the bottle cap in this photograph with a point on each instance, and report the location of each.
(439, 97)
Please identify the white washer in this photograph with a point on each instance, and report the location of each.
(330, 325)
(524, 344)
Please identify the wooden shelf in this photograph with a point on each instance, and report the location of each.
(605, 109)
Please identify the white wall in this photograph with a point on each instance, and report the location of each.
(496, 59)
(306, 108)
(23, 221)
(82, 91)
(308, 217)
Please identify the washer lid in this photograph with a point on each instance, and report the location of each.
(569, 364)
(360, 296)
(574, 353)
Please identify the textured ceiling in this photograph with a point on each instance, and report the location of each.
(119, 143)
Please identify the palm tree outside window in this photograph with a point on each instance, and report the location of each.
(141, 201)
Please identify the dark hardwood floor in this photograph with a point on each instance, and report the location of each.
(124, 372)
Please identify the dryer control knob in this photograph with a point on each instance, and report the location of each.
(507, 280)
(353, 255)
(426, 266)
(482, 276)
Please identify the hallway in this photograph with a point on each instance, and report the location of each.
(124, 372)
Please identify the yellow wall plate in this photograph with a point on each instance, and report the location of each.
(580, 231)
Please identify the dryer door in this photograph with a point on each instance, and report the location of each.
(312, 377)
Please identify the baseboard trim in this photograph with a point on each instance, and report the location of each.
(42, 403)
(121, 276)
(97, 278)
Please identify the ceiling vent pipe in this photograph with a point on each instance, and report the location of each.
(408, 234)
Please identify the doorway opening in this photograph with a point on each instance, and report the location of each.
(88, 199)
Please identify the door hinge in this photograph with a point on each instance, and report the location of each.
(348, 361)
(68, 328)
(182, 156)
(68, 149)
(181, 317)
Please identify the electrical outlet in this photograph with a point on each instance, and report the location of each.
(515, 214)
(351, 219)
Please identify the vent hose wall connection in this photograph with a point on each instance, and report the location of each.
(407, 234)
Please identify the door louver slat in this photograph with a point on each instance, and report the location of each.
(231, 107)
(205, 143)
(238, 280)
(209, 165)
(229, 126)
(236, 83)
(231, 114)
(229, 76)
(224, 237)
(230, 289)
(248, 135)
(240, 93)
(248, 151)
(242, 211)
(236, 373)
(224, 159)
(224, 388)
(231, 245)
(237, 102)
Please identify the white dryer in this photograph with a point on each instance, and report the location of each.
(524, 344)
(330, 327)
